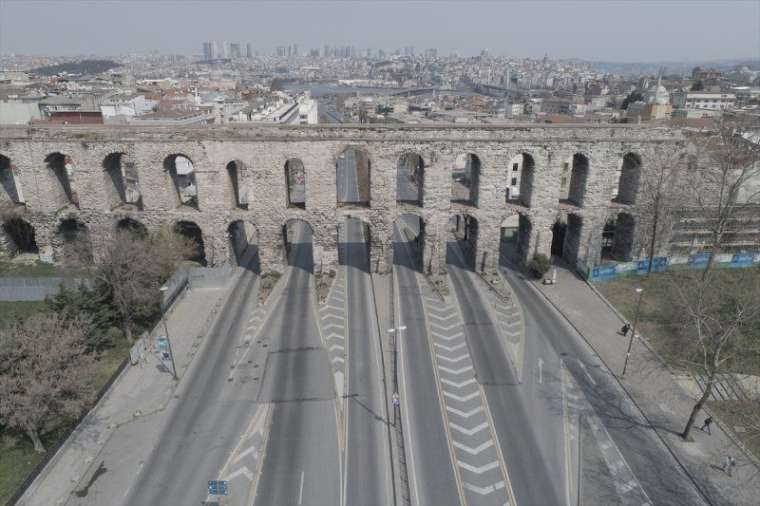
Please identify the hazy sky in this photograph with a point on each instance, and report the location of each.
(622, 30)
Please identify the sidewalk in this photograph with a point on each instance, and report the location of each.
(121, 428)
(655, 391)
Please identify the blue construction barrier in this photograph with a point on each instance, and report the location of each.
(606, 272)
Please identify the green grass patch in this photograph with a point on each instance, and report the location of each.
(743, 419)
(11, 311)
(658, 322)
(41, 270)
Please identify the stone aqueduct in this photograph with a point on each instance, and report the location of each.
(60, 183)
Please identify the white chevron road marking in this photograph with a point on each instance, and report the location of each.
(444, 328)
(457, 335)
(455, 371)
(332, 326)
(338, 359)
(461, 398)
(245, 453)
(243, 471)
(476, 450)
(483, 490)
(442, 319)
(452, 360)
(336, 347)
(450, 348)
(465, 414)
(478, 469)
(469, 432)
(457, 384)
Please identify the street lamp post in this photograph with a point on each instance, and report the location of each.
(166, 331)
(640, 291)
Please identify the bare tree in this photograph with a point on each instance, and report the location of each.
(134, 268)
(43, 373)
(718, 309)
(723, 170)
(658, 197)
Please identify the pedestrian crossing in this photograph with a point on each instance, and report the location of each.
(332, 320)
(478, 462)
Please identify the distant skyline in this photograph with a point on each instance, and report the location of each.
(598, 30)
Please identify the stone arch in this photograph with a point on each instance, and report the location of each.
(559, 232)
(465, 179)
(295, 180)
(122, 181)
(18, 236)
(236, 188)
(298, 239)
(355, 243)
(618, 237)
(410, 229)
(10, 187)
(521, 173)
(132, 226)
(410, 179)
(578, 179)
(243, 237)
(465, 230)
(73, 245)
(191, 231)
(627, 186)
(62, 168)
(182, 174)
(353, 178)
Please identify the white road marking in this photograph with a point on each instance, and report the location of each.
(465, 414)
(243, 471)
(457, 384)
(484, 490)
(541, 370)
(300, 490)
(455, 371)
(244, 453)
(583, 366)
(475, 450)
(478, 469)
(468, 432)
(460, 398)
(450, 348)
(453, 360)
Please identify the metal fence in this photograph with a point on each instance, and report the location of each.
(29, 289)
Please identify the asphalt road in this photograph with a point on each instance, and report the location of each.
(430, 470)
(347, 182)
(208, 417)
(527, 416)
(651, 462)
(302, 464)
(367, 468)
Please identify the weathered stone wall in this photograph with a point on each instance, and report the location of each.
(263, 151)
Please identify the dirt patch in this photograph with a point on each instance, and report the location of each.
(324, 283)
(268, 280)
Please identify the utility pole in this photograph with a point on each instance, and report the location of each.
(639, 291)
(163, 289)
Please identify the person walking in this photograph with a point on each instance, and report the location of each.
(706, 425)
(625, 329)
(729, 462)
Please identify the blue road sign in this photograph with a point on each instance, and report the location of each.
(163, 343)
(217, 487)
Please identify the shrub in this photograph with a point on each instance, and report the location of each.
(539, 266)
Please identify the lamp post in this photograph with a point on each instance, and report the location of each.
(640, 291)
(166, 331)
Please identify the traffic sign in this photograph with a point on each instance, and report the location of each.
(217, 487)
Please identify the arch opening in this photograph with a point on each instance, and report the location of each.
(75, 246)
(193, 232)
(464, 232)
(409, 242)
(578, 178)
(20, 236)
(295, 179)
(571, 248)
(243, 240)
(521, 175)
(617, 238)
(354, 243)
(465, 180)
(559, 232)
(410, 179)
(235, 176)
(63, 171)
(182, 173)
(353, 178)
(132, 226)
(10, 186)
(628, 181)
(122, 181)
(297, 237)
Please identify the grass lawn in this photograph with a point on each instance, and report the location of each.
(741, 418)
(40, 270)
(657, 321)
(17, 456)
(10, 311)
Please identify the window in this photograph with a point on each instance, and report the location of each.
(563, 183)
(515, 168)
(565, 166)
(514, 181)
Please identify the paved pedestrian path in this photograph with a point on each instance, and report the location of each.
(479, 463)
(656, 392)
